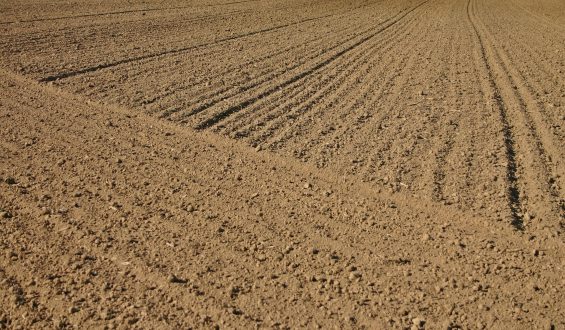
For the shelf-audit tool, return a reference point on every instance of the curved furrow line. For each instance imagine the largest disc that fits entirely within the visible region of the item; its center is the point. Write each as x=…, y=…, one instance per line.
x=68, y=74
x=202, y=98
x=201, y=102
x=310, y=93
x=177, y=50
x=167, y=102
x=179, y=104
x=84, y=51
x=183, y=86
x=527, y=89
x=473, y=179
x=546, y=104
x=280, y=74
x=490, y=192
x=334, y=133
x=513, y=192
x=457, y=132
x=121, y=12
x=266, y=118
x=544, y=143
x=343, y=135
x=270, y=101
x=367, y=108
x=103, y=29
x=308, y=50
x=484, y=177
x=222, y=114
x=535, y=64
x=161, y=69
x=295, y=115
x=535, y=194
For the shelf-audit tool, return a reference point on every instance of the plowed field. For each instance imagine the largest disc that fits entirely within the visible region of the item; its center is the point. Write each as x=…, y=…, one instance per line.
x=282, y=164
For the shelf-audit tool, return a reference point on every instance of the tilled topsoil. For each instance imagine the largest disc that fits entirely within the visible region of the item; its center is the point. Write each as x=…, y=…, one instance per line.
x=282, y=164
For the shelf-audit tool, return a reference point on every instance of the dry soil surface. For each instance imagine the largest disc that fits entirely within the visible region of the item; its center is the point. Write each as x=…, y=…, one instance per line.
x=282, y=164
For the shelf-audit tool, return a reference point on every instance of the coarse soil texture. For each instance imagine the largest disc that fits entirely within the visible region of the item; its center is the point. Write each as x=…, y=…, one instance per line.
x=282, y=164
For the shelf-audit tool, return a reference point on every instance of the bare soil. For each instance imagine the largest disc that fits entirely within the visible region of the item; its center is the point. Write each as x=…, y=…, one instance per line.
x=282, y=164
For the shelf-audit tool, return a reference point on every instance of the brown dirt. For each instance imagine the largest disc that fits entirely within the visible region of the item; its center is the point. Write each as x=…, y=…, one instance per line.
x=282, y=164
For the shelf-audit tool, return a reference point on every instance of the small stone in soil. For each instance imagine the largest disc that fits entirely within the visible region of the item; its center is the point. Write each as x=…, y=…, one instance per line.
x=354, y=275
x=175, y=279
x=418, y=322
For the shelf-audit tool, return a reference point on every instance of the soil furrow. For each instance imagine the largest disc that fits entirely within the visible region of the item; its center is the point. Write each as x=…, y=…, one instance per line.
x=121, y=12
x=313, y=49
x=260, y=84
x=538, y=176
x=296, y=112
x=69, y=74
x=513, y=193
x=226, y=113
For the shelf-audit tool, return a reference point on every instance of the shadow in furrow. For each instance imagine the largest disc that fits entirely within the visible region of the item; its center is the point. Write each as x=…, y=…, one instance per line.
x=172, y=51
x=236, y=108
x=120, y=12
x=513, y=193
